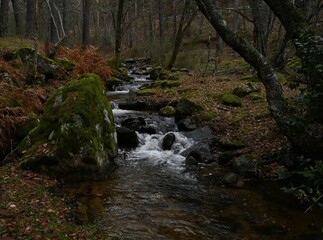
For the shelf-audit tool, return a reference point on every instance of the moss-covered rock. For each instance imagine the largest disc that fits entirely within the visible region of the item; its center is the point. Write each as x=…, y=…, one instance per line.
x=23, y=128
x=113, y=82
x=186, y=108
x=65, y=63
x=166, y=84
x=46, y=66
x=155, y=73
x=167, y=111
x=76, y=133
x=231, y=144
x=245, y=89
x=146, y=92
x=230, y=100
x=120, y=73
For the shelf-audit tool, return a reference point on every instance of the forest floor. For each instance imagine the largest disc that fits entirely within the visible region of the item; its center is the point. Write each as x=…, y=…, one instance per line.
x=30, y=210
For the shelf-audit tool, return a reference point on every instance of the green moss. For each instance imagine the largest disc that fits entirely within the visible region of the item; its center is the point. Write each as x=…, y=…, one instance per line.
x=113, y=82
x=120, y=73
x=23, y=128
x=166, y=84
x=65, y=63
x=251, y=78
x=146, y=92
x=207, y=116
x=167, y=111
x=223, y=79
x=186, y=107
x=77, y=124
x=230, y=100
x=255, y=96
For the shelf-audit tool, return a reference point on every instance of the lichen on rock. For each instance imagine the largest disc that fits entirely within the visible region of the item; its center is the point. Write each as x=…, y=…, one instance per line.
x=76, y=133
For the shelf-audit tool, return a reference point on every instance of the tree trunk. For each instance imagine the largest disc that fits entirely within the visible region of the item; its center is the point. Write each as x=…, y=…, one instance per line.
x=308, y=49
x=119, y=31
x=261, y=20
x=4, y=18
x=86, y=24
x=30, y=19
x=182, y=28
x=303, y=135
x=17, y=13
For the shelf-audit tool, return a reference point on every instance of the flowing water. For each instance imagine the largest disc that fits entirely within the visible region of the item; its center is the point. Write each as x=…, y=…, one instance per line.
x=151, y=196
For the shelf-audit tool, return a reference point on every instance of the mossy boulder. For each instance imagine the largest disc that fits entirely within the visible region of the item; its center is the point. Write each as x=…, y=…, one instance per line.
x=76, y=132
x=230, y=100
x=46, y=66
x=186, y=108
x=167, y=111
x=113, y=82
x=245, y=89
x=155, y=73
x=120, y=73
x=65, y=63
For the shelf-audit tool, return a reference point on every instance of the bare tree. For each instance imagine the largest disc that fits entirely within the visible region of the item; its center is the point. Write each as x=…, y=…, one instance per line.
x=17, y=14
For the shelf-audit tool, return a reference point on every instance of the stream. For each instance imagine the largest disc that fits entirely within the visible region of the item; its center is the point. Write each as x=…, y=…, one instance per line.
x=150, y=195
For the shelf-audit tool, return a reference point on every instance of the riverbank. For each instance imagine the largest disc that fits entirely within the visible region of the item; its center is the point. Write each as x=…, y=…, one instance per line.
x=31, y=209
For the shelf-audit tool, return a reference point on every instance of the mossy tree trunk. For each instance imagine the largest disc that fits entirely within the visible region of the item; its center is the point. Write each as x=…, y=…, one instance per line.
x=309, y=48
x=303, y=132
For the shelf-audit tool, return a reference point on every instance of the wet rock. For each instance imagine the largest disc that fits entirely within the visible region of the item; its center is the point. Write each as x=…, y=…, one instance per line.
x=200, y=152
x=112, y=83
x=133, y=123
x=134, y=105
x=225, y=157
x=150, y=129
x=244, y=164
x=201, y=134
x=127, y=138
x=232, y=180
x=168, y=141
x=186, y=124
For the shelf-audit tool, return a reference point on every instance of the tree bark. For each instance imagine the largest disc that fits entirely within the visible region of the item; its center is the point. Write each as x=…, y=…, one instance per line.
x=4, y=18
x=119, y=31
x=30, y=19
x=308, y=49
x=86, y=24
x=184, y=24
x=17, y=14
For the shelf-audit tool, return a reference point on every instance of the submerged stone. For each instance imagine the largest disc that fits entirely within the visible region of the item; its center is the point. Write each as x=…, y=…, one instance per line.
x=76, y=132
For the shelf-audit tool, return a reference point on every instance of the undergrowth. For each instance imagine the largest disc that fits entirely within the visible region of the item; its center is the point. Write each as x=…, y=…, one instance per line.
x=87, y=61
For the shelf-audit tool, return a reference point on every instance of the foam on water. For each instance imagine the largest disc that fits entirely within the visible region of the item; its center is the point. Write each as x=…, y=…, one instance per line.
x=150, y=150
